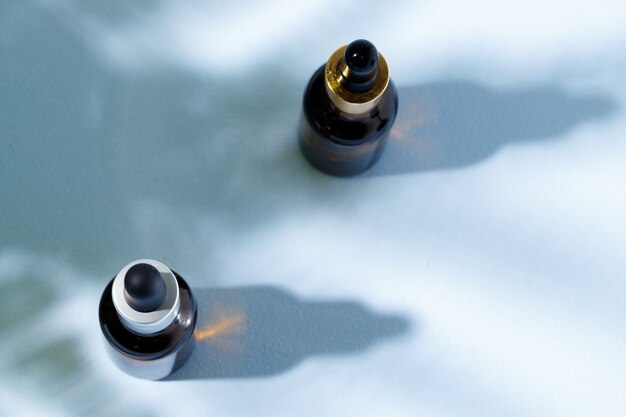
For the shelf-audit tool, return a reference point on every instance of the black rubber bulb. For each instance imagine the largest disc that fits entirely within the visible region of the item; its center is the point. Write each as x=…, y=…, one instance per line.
x=144, y=288
x=361, y=58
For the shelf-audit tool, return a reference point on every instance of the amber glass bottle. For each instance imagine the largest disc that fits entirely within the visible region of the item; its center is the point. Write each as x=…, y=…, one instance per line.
x=349, y=107
x=148, y=316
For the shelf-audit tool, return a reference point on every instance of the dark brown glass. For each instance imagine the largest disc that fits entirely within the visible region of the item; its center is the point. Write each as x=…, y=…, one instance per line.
x=157, y=354
x=336, y=142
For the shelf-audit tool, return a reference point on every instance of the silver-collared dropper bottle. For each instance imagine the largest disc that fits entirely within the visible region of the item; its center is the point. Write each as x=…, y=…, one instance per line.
x=148, y=316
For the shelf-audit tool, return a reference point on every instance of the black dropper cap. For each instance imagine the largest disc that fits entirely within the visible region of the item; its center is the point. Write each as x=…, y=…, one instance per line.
x=144, y=288
x=361, y=58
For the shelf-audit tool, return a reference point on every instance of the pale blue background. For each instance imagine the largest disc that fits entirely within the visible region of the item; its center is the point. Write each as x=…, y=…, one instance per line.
x=478, y=270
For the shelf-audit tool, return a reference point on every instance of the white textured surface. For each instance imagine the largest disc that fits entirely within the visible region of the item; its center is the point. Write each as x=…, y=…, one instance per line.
x=478, y=270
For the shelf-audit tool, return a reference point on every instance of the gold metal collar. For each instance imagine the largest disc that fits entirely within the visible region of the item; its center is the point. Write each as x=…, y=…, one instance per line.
x=347, y=101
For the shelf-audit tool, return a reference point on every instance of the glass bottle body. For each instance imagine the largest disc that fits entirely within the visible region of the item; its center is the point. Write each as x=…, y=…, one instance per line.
x=339, y=143
x=153, y=356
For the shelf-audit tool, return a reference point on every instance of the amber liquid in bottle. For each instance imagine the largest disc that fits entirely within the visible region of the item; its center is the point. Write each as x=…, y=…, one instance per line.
x=342, y=143
x=154, y=355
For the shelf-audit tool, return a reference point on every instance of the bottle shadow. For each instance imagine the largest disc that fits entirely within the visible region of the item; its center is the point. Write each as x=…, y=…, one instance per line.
x=259, y=331
x=452, y=124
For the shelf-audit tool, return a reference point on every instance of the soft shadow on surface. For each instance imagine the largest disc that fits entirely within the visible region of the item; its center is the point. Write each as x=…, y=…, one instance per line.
x=101, y=165
x=260, y=331
x=451, y=124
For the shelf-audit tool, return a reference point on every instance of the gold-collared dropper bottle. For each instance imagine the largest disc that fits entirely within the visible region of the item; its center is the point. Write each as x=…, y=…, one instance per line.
x=349, y=107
